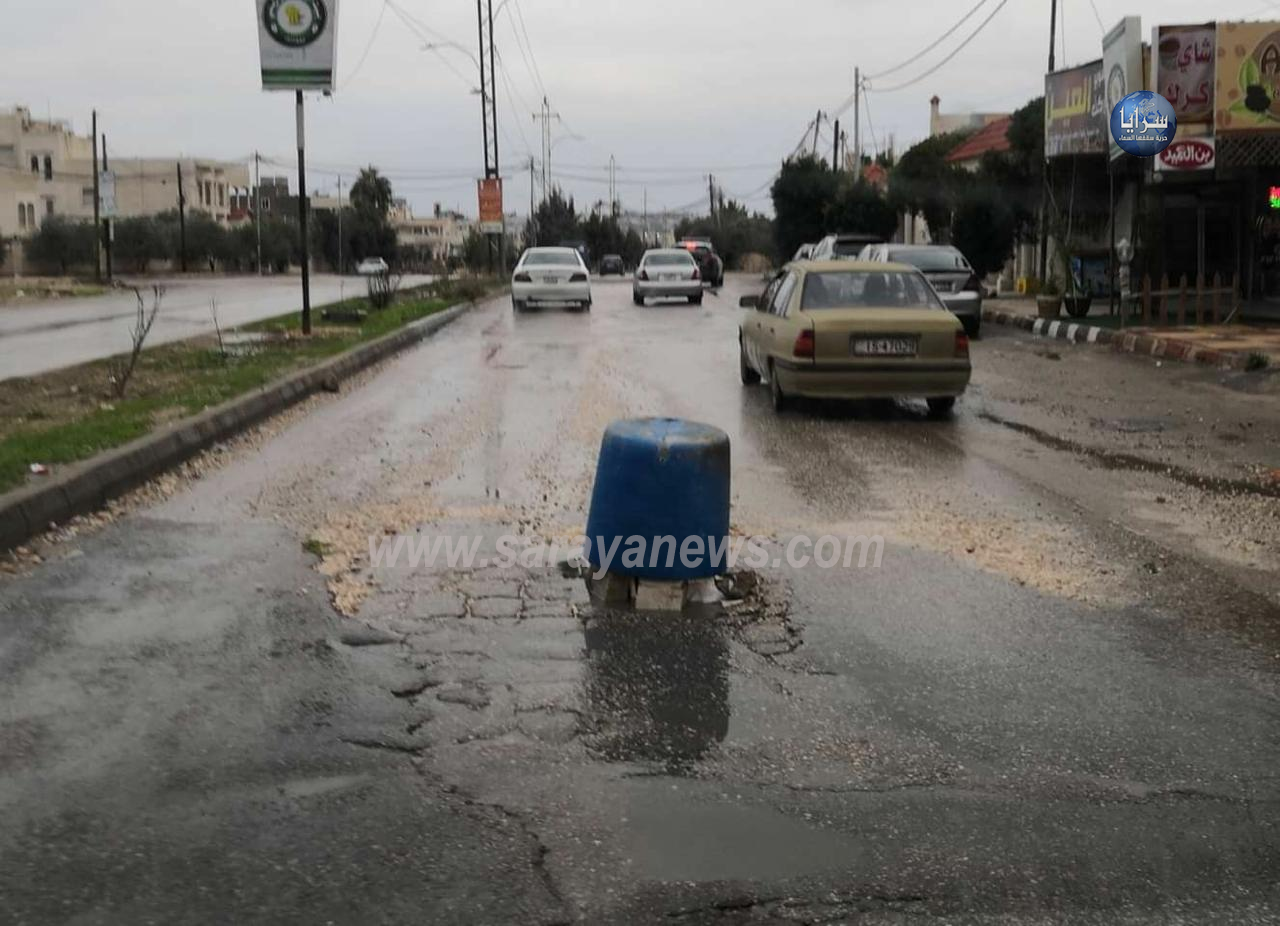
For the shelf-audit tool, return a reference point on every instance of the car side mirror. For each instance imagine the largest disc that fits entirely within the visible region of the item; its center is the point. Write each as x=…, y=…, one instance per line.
x=749, y=302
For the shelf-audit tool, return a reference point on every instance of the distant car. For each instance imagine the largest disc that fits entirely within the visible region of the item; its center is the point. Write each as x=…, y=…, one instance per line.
x=709, y=262
x=551, y=276
x=949, y=273
x=372, y=267
x=612, y=264
x=843, y=246
x=667, y=273
x=853, y=330
x=804, y=252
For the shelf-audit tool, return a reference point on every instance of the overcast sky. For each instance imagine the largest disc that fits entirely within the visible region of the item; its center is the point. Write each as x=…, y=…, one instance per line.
x=672, y=90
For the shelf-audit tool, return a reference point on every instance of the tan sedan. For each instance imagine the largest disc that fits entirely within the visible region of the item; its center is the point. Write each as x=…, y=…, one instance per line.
x=853, y=330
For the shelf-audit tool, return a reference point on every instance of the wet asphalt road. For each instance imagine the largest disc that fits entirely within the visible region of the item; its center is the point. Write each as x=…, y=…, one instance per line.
x=1055, y=702
x=56, y=333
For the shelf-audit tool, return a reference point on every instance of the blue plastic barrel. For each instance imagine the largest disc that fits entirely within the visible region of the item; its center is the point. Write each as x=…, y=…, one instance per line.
x=660, y=478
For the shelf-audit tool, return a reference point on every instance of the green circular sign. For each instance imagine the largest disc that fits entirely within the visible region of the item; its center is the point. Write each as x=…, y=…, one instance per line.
x=295, y=23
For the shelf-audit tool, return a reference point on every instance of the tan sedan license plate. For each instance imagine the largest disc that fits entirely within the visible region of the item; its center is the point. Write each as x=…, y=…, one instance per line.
x=884, y=347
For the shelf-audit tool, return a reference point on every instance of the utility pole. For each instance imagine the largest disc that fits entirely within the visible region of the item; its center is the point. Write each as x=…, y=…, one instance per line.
x=817, y=124
x=1044, y=191
x=533, y=212
x=257, y=204
x=546, y=117
x=302, y=218
x=97, y=207
x=857, y=121
x=489, y=113
x=339, y=224
x=613, y=183
x=835, y=153
x=711, y=192
x=182, y=223
x=106, y=223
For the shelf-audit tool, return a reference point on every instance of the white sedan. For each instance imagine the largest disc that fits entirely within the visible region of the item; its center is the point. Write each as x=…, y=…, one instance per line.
x=372, y=267
x=551, y=276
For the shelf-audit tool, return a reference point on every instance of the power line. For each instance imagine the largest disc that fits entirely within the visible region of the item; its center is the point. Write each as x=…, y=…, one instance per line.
x=942, y=38
x=520, y=46
x=959, y=48
x=424, y=33
x=368, y=48
x=537, y=72
x=1101, y=27
x=875, y=143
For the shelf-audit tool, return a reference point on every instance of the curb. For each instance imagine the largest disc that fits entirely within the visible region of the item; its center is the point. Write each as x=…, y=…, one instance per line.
x=1145, y=344
x=88, y=486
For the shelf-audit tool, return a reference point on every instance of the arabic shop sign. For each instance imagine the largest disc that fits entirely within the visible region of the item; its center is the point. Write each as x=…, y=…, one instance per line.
x=1248, y=78
x=1184, y=70
x=1075, y=112
x=1122, y=65
x=1184, y=154
x=1143, y=124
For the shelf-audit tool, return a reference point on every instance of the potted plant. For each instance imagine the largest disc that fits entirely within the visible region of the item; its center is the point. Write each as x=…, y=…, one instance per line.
x=1049, y=299
x=1078, y=301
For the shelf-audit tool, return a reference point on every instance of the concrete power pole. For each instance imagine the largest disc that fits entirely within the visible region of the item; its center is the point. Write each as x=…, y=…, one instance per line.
x=546, y=117
x=339, y=224
x=835, y=148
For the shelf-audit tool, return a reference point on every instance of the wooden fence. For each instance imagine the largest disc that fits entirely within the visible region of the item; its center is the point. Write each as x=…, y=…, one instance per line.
x=1190, y=305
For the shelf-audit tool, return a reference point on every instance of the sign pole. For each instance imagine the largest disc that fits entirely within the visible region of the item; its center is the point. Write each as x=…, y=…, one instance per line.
x=302, y=219
x=97, y=207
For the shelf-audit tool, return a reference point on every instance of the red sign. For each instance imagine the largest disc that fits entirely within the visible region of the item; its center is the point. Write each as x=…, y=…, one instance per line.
x=491, y=205
x=1187, y=154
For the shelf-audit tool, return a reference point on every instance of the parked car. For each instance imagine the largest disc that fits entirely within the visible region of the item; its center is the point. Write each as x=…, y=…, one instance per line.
x=709, y=262
x=949, y=273
x=372, y=267
x=846, y=245
x=853, y=330
x=551, y=276
x=612, y=264
x=667, y=273
x=804, y=252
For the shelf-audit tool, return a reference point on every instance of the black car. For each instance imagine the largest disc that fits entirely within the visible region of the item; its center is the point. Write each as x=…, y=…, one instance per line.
x=709, y=262
x=612, y=264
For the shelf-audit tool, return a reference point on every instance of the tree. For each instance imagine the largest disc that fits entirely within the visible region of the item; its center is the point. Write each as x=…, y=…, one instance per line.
x=632, y=248
x=62, y=243
x=860, y=207
x=734, y=232
x=984, y=229
x=804, y=187
x=139, y=241
x=923, y=182
x=555, y=221
x=371, y=195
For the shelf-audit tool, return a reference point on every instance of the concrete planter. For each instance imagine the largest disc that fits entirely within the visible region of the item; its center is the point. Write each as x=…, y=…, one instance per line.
x=1048, y=306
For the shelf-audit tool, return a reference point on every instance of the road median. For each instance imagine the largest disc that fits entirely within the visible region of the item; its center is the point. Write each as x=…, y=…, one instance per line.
x=88, y=484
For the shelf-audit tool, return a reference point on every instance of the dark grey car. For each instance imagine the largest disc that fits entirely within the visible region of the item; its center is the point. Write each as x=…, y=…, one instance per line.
x=949, y=272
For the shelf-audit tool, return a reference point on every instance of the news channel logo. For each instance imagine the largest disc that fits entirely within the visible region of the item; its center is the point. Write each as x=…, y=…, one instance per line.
x=1143, y=124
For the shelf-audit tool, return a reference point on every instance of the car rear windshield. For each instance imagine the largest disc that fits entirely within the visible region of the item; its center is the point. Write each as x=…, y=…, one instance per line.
x=931, y=259
x=550, y=259
x=669, y=260
x=863, y=289
x=848, y=248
